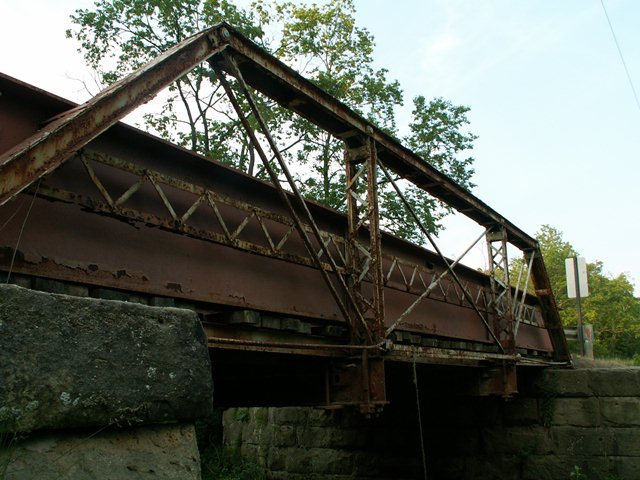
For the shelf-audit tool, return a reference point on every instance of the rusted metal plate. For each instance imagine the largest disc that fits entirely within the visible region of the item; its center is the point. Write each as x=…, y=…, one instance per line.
x=28, y=160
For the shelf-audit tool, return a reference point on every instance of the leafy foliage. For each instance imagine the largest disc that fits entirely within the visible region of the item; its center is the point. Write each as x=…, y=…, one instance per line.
x=611, y=306
x=322, y=42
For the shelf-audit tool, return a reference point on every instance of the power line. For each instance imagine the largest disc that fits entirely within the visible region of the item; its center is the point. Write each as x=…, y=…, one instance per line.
x=624, y=64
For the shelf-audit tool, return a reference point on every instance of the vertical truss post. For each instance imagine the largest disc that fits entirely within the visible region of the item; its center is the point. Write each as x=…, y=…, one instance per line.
x=364, y=260
x=501, y=380
x=501, y=288
x=365, y=254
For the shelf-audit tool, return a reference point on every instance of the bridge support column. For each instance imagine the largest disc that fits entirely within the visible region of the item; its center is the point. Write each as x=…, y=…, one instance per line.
x=501, y=298
x=359, y=382
x=362, y=380
x=500, y=380
x=364, y=252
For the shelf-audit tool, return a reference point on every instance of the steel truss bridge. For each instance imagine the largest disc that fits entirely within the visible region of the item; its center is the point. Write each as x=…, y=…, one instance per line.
x=328, y=301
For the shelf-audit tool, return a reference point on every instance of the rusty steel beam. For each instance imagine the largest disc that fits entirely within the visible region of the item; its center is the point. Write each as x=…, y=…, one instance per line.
x=547, y=302
x=61, y=137
x=281, y=83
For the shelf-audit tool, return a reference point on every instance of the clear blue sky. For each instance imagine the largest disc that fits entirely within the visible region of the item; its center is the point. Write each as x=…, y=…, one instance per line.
x=558, y=126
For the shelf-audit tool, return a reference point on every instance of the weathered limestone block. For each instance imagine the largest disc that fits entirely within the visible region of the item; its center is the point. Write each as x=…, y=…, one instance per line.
x=580, y=441
x=621, y=411
x=627, y=442
x=153, y=452
x=561, y=467
x=515, y=441
x=68, y=362
x=564, y=383
x=626, y=467
x=578, y=412
x=291, y=415
x=615, y=382
x=285, y=436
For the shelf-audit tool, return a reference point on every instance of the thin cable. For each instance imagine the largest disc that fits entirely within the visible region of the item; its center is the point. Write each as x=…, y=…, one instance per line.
x=415, y=382
x=12, y=215
x=24, y=222
x=624, y=64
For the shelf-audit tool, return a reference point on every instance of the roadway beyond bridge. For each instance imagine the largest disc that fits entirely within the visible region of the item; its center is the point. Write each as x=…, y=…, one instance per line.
x=307, y=304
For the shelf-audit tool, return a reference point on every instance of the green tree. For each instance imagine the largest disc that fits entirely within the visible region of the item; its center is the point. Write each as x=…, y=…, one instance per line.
x=437, y=135
x=117, y=36
x=611, y=306
x=323, y=43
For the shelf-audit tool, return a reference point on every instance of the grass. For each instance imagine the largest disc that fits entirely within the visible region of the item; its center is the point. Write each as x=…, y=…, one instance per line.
x=7, y=447
x=223, y=463
x=218, y=462
x=611, y=362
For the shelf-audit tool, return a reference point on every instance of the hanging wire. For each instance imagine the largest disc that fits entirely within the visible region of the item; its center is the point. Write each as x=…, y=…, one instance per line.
x=24, y=222
x=13, y=215
x=422, y=449
x=624, y=64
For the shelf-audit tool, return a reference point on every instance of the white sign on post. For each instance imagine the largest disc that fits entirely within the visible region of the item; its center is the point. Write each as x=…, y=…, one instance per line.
x=571, y=277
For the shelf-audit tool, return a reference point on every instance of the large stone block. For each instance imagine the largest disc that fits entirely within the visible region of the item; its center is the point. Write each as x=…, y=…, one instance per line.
x=68, y=362
x=564, y=383
x=155, y=452
x=579, y=441
x=627, y=442
x=291, y=415
x=517, y=441
x=578, y=412
x=565, y=467
x=620, y=411
x=615, y=382
x=285, y=436
x=626, y=467
x=320, y=461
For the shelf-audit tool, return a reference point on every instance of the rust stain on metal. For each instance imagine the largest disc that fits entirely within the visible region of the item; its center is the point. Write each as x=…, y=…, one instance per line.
x=174, y=287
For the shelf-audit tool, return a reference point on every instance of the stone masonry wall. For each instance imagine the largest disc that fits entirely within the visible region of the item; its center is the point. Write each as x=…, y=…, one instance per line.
x=93, y=388
x=563, y=424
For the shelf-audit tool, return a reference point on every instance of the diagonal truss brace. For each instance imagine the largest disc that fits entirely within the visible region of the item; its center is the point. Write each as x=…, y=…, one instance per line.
x=450, y=267
x=63, y=136
x=353, y=309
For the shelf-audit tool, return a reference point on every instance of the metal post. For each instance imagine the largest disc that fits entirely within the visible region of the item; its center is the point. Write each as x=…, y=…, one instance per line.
x=375, y=241
x=365, y=258
x=500, y=287
x=580, y=331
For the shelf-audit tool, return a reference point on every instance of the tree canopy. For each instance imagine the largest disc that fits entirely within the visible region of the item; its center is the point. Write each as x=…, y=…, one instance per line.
x=611, y=305
x=323, y=43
